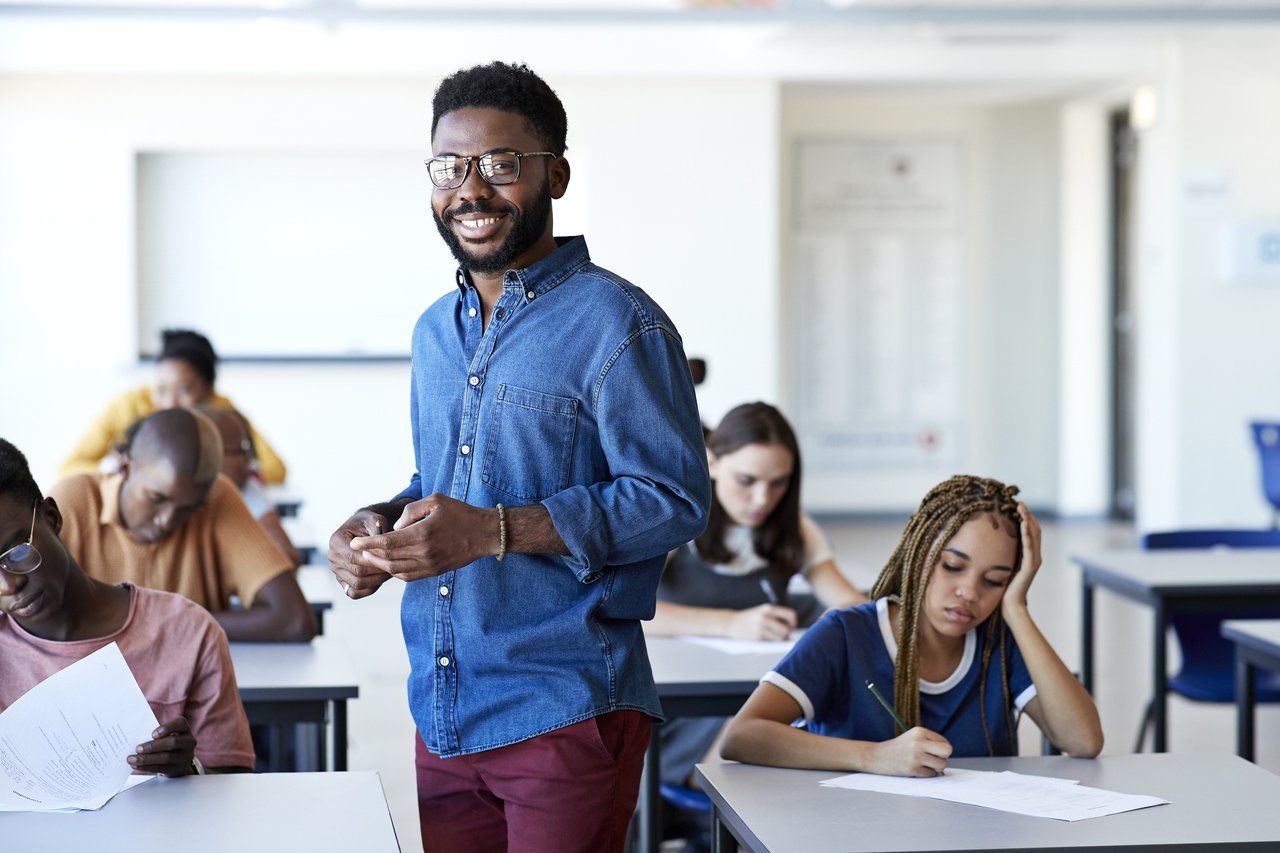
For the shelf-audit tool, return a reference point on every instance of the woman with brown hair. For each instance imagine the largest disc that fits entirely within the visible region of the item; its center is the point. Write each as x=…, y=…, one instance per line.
x=734, y=580
x=948, y=640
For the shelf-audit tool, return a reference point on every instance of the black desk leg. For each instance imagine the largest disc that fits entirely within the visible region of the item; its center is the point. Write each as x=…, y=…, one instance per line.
x=1245, y=700
x=651, y=795
x=1086, y=632
x=339, y=736
x=321, y=747
x=275, y=762
x=1160, y=679
x=722, y=840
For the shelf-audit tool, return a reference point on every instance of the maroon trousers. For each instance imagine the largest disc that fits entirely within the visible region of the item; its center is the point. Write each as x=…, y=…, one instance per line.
x=572, y=789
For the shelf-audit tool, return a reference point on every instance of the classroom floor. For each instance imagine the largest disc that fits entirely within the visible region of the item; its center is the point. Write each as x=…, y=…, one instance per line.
x=381, y=732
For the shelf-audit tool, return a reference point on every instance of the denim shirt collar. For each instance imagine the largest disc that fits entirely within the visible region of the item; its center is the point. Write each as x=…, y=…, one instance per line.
x=541, y=276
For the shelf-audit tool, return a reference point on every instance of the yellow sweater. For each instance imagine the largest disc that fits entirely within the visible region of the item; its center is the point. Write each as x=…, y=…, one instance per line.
x=108, y=430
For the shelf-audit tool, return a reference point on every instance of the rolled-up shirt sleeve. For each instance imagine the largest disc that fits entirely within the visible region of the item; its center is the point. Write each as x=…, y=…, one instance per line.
x=660, y=492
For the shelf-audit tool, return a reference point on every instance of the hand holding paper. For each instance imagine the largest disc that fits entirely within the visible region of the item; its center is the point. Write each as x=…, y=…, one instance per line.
x=171, y=751
x=65, y=743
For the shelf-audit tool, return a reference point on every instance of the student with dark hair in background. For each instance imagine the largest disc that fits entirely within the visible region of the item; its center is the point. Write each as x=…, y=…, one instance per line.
x=52, y=614
x=185, y=372
x=169, y=520
x=734, y=580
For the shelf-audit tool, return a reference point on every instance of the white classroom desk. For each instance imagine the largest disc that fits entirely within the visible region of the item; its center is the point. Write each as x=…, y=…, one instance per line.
x=320, y=588
x=243, y=813
x=1173, y=582
x=1257, y=643
x=1217, y=802
x=693, y=681
x=282, y=684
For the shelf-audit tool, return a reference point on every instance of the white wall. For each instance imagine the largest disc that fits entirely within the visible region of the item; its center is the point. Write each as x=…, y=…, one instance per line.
x=706, y=249
x=1009, y=247
x=1209, y=362
x=1084, y=366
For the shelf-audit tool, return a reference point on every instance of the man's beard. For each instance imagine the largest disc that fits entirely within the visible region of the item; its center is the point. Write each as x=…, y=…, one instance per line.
x=526, y=229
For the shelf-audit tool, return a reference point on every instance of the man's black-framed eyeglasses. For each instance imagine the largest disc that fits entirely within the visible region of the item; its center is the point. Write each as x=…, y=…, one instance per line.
x=23, y=559
x=449, y=171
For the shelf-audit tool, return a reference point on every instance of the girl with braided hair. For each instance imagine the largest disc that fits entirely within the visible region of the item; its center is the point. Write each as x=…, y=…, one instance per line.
x=948, y=640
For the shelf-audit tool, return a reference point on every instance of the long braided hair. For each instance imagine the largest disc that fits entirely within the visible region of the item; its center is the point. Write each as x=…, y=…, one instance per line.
x=944, y=510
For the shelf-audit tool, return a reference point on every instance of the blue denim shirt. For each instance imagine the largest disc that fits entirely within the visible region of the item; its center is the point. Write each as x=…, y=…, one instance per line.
x=578, y=397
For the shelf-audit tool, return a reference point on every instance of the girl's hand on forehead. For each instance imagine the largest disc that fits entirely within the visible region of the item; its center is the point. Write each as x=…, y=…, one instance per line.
x=1016, y=594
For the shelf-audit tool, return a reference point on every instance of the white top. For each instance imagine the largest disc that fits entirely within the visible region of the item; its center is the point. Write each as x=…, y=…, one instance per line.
x=737, y=538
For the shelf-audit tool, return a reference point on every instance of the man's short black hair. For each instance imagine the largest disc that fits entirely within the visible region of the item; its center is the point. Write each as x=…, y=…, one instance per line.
x=15, y=475
x=512, y=88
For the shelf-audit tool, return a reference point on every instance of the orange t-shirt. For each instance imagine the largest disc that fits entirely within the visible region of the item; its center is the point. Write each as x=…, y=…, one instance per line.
x=219, y=551
x=176, y=651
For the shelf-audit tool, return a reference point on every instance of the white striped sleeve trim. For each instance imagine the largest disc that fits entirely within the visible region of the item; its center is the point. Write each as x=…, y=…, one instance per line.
x=1023, y=698
x=786, y=685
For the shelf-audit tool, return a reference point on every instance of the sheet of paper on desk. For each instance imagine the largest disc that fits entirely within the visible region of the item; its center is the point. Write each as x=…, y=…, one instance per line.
x=1038, y=796
x=63, y=744
x=730, y=646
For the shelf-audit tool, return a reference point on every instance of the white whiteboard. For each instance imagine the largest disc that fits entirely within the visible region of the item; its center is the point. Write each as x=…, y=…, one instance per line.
x=876, y=243
x=286, y=255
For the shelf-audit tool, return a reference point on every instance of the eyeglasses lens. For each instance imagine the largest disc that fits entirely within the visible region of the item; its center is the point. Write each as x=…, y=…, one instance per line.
x=20, y=560
x=500, y=168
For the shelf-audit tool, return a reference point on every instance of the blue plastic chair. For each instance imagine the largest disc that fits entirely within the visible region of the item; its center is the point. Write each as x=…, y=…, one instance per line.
x=1267, y=437
x=689, y=799
x=1208, y=659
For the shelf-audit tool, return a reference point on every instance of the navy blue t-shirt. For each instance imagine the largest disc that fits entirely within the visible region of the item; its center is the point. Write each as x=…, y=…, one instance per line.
x=826, y=673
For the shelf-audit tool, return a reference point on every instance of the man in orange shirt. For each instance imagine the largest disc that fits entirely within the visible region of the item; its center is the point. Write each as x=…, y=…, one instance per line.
x=168, y=520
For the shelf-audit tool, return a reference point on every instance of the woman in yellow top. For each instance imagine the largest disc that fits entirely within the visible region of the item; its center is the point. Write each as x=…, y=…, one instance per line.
x=185, y=372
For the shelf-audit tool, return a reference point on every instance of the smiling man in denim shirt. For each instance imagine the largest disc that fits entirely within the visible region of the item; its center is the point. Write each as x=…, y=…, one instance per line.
x=559, y=457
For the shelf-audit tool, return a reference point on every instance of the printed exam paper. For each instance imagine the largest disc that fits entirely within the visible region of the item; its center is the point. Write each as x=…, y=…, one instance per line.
x=64, y=743
x=1037, y=796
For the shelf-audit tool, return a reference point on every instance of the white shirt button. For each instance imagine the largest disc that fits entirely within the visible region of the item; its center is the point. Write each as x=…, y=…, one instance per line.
x=466, y=448
x=474, y=380
x=529, y=294
x=444, y=590
x=471, y=312
x=444, y=661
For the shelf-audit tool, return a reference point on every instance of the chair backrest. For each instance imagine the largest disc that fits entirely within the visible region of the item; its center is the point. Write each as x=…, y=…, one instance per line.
x=1211, y=539
x=1199, y=635
x=1266, y=435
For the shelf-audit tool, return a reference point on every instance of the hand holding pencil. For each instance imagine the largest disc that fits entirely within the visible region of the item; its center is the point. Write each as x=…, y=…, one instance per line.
x=915, y=752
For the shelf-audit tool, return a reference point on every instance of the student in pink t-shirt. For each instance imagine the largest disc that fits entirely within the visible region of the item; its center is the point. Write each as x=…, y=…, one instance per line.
x=53, y=614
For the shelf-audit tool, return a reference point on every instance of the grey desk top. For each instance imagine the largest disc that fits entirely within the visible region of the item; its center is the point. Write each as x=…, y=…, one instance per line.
x=682, y=668
x=1261, y=634
x=313, y=812
x=318, y=584
x=1215, y=800
x=1188, y=571
x=318, y=670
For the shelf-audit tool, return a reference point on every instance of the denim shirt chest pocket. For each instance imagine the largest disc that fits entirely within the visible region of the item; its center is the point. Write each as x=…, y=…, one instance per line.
x=530, y=445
